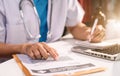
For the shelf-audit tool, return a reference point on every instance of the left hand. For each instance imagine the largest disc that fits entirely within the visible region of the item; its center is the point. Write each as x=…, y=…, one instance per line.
x=38, y=50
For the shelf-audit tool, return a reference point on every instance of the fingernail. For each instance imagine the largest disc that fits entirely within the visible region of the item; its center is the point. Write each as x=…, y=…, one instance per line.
x=89, y=39
x=56, y=58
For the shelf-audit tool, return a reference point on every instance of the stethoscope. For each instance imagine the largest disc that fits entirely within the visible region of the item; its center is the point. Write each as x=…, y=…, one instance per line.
x=49, y=34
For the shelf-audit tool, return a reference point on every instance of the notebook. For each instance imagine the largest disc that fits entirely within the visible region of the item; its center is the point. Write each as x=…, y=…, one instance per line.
x=108, y=49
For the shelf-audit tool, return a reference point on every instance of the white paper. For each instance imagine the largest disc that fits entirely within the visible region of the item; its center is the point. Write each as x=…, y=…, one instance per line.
x=67, y=62
x=49, y=67
x=103, y=44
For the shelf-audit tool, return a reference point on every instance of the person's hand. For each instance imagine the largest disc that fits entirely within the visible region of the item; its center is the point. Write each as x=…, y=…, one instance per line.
x=84, y=33
x=80, y=31
x=39, y=51
x=98, y=34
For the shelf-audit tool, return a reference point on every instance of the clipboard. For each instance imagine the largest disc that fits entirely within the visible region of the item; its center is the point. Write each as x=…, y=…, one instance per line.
x=77, y=73
x=22, y=67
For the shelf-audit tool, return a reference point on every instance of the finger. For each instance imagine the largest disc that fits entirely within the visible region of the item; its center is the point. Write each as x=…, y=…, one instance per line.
x=99, y=29
x=43, y=51
x=100, y=35
x=96, y=32
x=51, y=51
x=36, y=52
x=30, y=53
x=98, y=38
x=55, y=52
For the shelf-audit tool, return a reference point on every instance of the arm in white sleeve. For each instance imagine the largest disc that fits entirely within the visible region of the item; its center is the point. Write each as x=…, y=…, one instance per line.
x=75, y=13
x=2, y=22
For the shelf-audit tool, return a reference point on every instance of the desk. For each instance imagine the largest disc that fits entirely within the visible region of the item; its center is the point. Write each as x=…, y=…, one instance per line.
x=10, y=67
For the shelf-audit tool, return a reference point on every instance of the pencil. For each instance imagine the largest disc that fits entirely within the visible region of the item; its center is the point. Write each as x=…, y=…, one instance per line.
x=93, y=28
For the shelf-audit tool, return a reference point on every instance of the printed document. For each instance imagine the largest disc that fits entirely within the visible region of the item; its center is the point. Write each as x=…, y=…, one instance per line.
x=49, y=67
x=67, y=63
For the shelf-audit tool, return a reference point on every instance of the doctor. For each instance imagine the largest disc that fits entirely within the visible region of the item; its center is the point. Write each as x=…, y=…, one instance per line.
x=25, y=26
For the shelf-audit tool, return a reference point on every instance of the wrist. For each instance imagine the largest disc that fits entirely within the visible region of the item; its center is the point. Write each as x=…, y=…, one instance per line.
x=17, y=48
x=23, y=48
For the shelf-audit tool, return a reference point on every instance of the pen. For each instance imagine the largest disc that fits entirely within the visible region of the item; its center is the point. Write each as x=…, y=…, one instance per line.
x=93, y=28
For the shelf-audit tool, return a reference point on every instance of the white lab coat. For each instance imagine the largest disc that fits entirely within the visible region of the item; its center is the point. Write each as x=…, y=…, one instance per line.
x=12, y=29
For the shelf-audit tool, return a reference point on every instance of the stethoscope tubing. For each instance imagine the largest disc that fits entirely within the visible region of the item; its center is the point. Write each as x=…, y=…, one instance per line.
x=49, y=35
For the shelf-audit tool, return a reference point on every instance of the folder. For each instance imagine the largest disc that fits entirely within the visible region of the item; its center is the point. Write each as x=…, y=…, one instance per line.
x=22, y=67
x=77, y=73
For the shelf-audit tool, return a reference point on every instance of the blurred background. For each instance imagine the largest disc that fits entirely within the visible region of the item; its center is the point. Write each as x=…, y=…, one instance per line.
x=111, y=10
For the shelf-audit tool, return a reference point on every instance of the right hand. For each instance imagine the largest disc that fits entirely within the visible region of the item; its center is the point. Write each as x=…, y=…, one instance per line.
x=39, y=51
x=99, y=34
